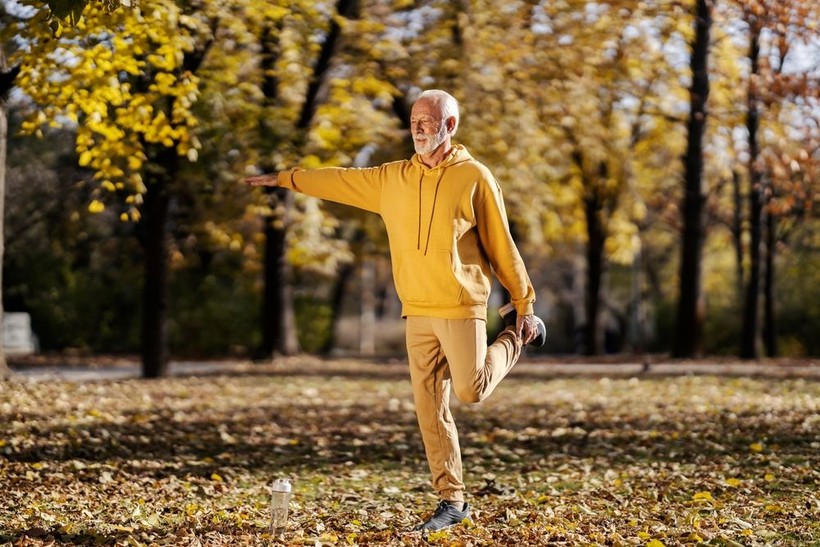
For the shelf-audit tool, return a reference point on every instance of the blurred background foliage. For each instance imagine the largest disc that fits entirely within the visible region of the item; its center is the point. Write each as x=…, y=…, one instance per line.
x=569, y=102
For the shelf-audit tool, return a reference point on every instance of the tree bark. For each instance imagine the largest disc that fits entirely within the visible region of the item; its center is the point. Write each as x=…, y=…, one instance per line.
x=348, y=9
x=343, y=276
x=690, y=308
x=3, y=144
x=367, y=314
x=153, y=238
x=278, y=315
x=6, y=84
x=769, y=311
x=160, y=172
x=278, y=323
x=749, y=341
x=737, y=234
x=595, y=268
x=593, y=284
x=596, y=236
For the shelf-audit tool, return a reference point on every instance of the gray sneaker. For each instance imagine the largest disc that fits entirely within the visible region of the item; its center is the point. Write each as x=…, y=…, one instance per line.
x=509, y=315
x=445, y=516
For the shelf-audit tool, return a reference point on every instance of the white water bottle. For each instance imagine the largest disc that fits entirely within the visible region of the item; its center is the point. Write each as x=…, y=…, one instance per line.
x=279, y=499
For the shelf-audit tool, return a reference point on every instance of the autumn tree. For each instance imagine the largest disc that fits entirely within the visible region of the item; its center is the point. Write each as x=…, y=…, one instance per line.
x=612, y=105
x=57, y=11
x=286, y=126
x=690, y=301
x=278, y=329
x=564, y=116
x=127, y=79
x=776, y=181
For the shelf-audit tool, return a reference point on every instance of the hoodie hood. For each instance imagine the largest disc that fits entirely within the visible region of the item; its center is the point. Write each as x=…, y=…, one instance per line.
x=458, y=154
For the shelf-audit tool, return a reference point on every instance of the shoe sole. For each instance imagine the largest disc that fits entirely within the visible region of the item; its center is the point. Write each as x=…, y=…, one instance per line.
x=541, y=338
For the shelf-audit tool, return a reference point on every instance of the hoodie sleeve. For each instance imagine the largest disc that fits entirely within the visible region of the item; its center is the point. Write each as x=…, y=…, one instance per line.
x=494, y=233
x=358, y=187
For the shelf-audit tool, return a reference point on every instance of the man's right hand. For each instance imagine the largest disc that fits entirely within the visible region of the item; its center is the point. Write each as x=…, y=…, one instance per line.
x=268, y=179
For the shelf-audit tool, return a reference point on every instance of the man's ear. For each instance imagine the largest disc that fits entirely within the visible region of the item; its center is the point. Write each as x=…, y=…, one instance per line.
x=451, y=124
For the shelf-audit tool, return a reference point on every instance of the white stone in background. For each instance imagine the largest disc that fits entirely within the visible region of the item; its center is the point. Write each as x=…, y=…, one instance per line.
x=18, y=338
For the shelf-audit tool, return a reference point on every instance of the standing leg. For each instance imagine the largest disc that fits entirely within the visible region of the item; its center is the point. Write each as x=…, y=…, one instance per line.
x=430, y=376
x=475, y=368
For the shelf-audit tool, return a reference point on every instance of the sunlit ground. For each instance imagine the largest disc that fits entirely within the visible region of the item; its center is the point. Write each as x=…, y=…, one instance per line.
x=583, y=460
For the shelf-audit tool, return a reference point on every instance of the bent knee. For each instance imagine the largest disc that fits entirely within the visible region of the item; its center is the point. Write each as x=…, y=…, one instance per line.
x=470, y=394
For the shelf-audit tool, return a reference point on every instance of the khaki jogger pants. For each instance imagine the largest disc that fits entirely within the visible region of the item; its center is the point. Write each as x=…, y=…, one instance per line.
x=445, y=354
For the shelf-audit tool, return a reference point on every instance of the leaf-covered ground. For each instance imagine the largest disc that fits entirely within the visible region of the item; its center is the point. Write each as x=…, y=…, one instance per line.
x=583, y=460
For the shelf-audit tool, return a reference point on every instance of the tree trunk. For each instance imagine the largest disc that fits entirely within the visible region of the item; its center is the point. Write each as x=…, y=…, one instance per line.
x=638, y=314
x=690, y=309
x=750, y=335
x=769, y=312
x=4, y=370
x=278, y=317
x=367, y=315
x=596, y=236
x=348, y=9
x=6, y=83
x=153, y=239
x=279, y=336
x=343, y=276
x=3, y=144
x=595, y=262
x=160, y=173
x=737, y=234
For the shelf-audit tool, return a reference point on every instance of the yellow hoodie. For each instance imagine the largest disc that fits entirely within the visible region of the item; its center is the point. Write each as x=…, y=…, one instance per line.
x=447, y=227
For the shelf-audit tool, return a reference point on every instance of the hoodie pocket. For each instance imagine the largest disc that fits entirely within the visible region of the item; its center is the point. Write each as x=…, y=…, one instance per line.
x=427, y=279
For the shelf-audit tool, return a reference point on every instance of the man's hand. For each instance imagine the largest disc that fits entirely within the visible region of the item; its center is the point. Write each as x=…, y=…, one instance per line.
x=268, y=179
x=525, y=328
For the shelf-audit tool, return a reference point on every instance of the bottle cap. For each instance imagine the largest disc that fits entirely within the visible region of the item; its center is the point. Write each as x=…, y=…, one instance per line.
x=281, y=485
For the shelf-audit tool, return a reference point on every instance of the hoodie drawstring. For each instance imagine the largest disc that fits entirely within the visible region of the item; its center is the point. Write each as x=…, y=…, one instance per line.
x=432, y=211
x=453, y=154
x=418, y=237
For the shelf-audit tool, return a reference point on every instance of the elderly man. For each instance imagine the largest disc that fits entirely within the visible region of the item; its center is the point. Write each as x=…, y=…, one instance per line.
x=448, y=232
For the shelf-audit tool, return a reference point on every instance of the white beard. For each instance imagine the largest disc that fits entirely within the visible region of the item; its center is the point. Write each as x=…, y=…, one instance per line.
x=429, y=142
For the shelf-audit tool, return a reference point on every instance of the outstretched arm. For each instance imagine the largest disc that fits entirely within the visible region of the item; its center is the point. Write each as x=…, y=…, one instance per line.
x=359, y=187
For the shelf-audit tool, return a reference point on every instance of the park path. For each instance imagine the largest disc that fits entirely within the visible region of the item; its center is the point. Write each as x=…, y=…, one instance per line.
x=91, y=369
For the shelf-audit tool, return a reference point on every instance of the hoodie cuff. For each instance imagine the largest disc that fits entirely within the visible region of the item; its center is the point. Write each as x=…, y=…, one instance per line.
x=524, y=308
x=285, y=178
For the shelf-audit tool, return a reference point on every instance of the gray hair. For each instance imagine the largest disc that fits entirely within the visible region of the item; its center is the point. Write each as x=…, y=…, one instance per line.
x=445, y=101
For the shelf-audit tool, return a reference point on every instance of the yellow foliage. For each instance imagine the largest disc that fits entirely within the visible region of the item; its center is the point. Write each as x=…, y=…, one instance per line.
x=703, y=496
x=96, y=206
x=89, y=81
